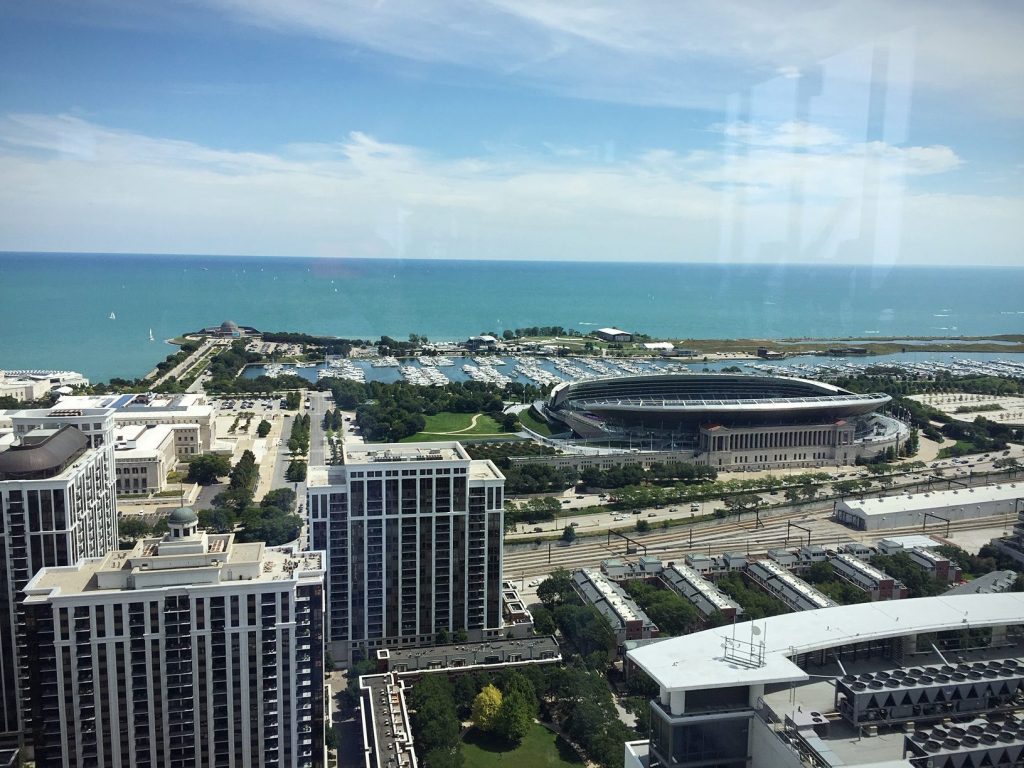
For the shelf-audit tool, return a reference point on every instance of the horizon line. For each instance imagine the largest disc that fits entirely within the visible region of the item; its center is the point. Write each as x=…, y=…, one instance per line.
x=512, y=261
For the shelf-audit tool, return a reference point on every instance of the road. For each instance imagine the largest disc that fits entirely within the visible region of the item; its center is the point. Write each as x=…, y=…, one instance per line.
x=185, y=365
x=573, y=506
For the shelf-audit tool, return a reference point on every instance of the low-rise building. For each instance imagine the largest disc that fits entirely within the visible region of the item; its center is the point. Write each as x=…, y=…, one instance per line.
x=934, y=507
x=988, y=583
x=193, y=418
x=384, y=715
x=143, y=455
x=938, y=566
x=704, y=595
x=613, y=334
x=625, y=618
x=36, y=384
x=877, y=583
x=796, y=593
x=646, y=567
x=514, y=611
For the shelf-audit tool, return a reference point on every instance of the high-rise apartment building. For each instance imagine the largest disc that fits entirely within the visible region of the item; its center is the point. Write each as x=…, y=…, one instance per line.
x=57, y=505
x=413, y=536
x=189, y=650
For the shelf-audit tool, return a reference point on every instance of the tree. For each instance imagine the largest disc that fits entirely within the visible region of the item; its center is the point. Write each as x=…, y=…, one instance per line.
x=844, y=487
x=485, y=708
x=509, y=422
x=206, y=468
x=132, y=528
x=263, y=429
x=543, y=621
x=216, y=520
x=642, y=526
x=516, y=682
x=569, y=534
x=280, y=498
x=556, y=589
x=444, y=758
x=296, y=471
x=513, y=720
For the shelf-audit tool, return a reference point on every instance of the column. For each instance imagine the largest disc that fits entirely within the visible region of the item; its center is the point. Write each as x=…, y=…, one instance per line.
x=677, y=702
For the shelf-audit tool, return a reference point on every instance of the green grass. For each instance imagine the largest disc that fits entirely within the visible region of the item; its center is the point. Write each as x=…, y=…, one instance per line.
x=959, y=449
x=452, y=426
x=532, y=422
x=539, y=749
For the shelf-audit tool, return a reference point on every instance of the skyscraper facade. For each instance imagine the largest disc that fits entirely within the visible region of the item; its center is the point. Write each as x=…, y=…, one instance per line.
x=189, y=650
x=413, y=536
x=57, y=505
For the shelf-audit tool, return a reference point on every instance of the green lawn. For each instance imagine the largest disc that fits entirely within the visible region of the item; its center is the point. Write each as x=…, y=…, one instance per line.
x=532, y=422
x=452, y=426
x=540, y=749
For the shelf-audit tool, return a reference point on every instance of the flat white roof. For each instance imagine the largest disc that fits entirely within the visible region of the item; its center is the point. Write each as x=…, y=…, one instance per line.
x=697, y=661
x=356, y=454
x=613, y=331
x=957, y=497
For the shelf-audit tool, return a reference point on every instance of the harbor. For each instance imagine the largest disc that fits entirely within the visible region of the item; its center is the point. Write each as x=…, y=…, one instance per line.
x=549, y=370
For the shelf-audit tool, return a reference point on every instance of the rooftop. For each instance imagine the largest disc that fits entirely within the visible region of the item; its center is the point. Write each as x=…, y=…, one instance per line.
x=42, y=453
x=138, y=441
x=681, y=572
x=807, y=594
x=458, y=655
x=923, y=501
x=391, y=744
x=377, y=456
x=996, y=581
x=189, y=402
x=609, y=598
x=699, y=660
x=863, y=567
x=203, y=559
x=806, y=705
x=382, y=453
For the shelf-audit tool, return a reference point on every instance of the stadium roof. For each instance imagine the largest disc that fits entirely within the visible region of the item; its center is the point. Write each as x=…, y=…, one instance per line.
x=700, y=660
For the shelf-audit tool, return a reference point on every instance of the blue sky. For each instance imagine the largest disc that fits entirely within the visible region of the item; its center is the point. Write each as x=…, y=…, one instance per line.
x=864, y=132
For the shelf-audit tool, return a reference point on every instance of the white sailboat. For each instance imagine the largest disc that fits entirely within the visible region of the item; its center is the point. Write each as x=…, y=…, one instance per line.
x=113, y=316
x=151, y=335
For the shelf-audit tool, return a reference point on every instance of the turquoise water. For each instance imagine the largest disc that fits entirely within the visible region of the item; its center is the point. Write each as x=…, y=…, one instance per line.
x=54, y=309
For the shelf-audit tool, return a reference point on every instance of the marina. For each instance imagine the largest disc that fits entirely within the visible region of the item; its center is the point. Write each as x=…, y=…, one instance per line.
x=545, y=370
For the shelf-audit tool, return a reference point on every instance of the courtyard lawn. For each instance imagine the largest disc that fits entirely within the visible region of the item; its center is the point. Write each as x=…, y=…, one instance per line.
x=539, y=749
x=452, y=426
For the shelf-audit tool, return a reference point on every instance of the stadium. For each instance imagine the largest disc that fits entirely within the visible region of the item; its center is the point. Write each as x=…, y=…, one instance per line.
x=729, y=421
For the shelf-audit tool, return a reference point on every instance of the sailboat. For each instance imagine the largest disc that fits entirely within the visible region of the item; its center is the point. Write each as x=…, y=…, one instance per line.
x=113, y=316
x=151, y=335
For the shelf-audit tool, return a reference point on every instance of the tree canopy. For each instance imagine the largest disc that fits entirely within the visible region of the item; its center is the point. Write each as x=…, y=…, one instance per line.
x=207, y=468
x=486, y=705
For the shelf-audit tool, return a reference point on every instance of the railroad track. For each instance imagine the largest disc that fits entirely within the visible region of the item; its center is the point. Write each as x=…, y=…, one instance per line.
x=725, y=536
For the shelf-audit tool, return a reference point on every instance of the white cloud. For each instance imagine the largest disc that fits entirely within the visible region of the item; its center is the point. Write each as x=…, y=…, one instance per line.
x=795, y=190
x=686, y=54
